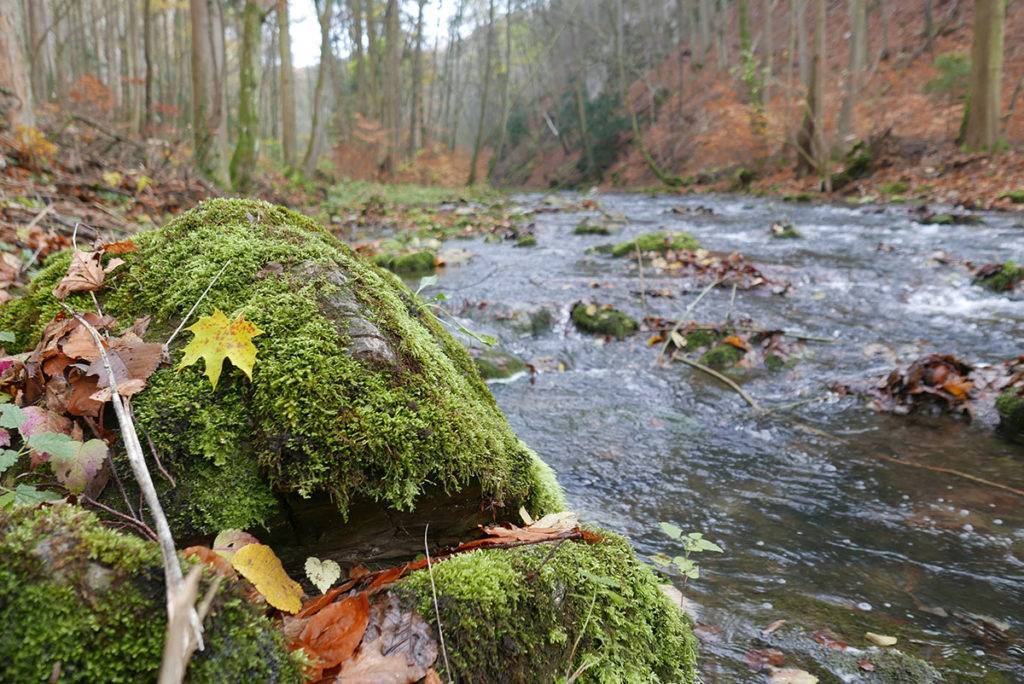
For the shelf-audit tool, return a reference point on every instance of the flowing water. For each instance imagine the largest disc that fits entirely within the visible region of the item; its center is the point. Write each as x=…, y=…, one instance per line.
x=816, y=529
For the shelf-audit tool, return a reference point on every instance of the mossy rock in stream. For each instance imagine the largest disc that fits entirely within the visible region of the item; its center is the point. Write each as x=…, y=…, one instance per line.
x=411, y=264
x=602, y=320
x=722, y=356
x=358, y=398
x=1010, y=405
x=656, y=242
x=587, y=228
x=87, y=603
x=1014, y=196
x=1000, y=277
x=494, y=364
x=537, y=614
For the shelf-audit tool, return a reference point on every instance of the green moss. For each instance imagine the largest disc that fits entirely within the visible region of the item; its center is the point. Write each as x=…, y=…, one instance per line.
x=798, y=197
x=656, y=242
x=597, y=320
x=538, y=613
x=357, y=390
x=1004, y=279
x=1010, y=405
x=541, y=321
x=894, y=188
x=785, y=231
x=494, y=364
x=526, y=241
x=722, y=356
x=586, y=228
x=947, y=219
x=856, y=164
x=1015, y=196
x=75, y=593
x=742, y=178
x=413, y=263
x=700, y=338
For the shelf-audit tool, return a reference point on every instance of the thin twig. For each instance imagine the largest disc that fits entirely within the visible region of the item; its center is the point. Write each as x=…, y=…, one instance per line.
x=950, y=471
x=172, y=568
x=718, y=376
x=120, y=486
x=134, y=522
x=167, y=344
x=679, y=323
x=579, y=637
x=437, y=610
x=159, y=465
x=32, y=224
x=640, y=266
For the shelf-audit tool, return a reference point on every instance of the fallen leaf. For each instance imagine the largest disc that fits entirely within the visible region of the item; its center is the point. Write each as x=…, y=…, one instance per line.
x=260, y=565
x=229, y=541
x=881, y=639
x=759, y=659
x=85, y=274
x=122, y=247
x=774, y=626
x=206, y=555
x=333, y=634
x=83, y=467
x=398, y=648
x=829, y=641
x=866, y=665
x=737, y=342
x=322, y=573
x=216, y=338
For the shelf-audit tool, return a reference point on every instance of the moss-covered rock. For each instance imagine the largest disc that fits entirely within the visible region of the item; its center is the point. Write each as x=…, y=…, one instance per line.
x=722, y=356
x=357, y=391
x=412, y=264
x=1015, y=196
x=656, y=242
x=602, y=320
x=534, y=614
x=494, y=364
x=88, y=603
x=1010, y=405
x=785, y=230
x=1000, y=277
x=526, y=241
x=587, y=228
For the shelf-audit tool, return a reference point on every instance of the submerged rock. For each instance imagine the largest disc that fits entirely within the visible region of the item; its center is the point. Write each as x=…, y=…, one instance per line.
x=602, y=320
x=784, y=229
x=1010, y=406
x=87, y=603
x=587, y=228
x=656, y=242
x=722, y=356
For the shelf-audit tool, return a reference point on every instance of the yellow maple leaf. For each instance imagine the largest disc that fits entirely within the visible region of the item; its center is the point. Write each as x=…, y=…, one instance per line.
x=260, y=565
x=216, y=338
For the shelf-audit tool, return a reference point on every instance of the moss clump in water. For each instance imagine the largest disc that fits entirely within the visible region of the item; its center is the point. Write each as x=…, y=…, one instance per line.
x=1000, y=278
x=598, y=320
x=656, y=242
x=357, y=390
x=534, y=614
x=77, y=596
x=587, y=228
x=722, y=356
x=1015, y=196
x=414, y=263
x=494, y=364
x=526, y=241
x=785, y=230
x=1010, y=406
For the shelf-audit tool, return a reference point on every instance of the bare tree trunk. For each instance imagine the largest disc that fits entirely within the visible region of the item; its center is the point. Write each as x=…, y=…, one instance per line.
x=317, y=125
x=929, y=26
x=37, y=40
x=373, y=51
x=355, y=29
x=284, y=43
x=147, y=49
x=982, y=127
x=392, y=106
x=243, y=161
x=15, y=85
x=769, y=48
x=809, y=144
x=416, y=112
x=801, y=37
x=486, y=76
x=858, y=56
x=204, y=118
x=506, y=94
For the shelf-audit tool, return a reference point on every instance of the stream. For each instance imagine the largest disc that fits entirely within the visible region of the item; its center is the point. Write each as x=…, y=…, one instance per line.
x=816, y=530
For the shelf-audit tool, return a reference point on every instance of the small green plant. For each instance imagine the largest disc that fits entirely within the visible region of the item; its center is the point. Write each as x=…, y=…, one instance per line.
x=693, y=542
x=444, y=316
x=954, y=76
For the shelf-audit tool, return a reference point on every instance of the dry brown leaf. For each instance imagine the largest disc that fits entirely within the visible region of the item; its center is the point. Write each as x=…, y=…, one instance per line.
x=85, y=274
x=406, y=639
x=208, y=556
x=333, y=634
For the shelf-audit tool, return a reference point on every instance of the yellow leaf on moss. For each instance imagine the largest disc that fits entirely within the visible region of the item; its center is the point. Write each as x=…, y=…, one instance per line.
x=216, y=338
x=260, y=565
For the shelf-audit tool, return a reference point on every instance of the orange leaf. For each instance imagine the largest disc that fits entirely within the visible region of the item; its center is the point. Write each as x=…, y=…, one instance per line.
x=958, y=387
x=315, y=605
x=333, y=634
x=736, y=342
x=122, y=247
x=210, y=557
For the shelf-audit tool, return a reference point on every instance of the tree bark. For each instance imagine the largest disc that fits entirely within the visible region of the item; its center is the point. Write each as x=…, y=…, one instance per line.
x=204, y=118
x=37, y=35
x=317, y=125
x=243, y=160
x=284, y=43
x=416, y=112
x=855, y=68
x=506, y=94
x=982, y=118
x=486, y=76
x=147, y=49
x=392, y=106
x=15, y=87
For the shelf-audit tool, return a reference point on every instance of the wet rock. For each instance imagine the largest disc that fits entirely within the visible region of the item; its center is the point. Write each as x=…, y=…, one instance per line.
x=587, y=228
x=495, y=364
x=656, y=242
x=526, y=241
x=999, y=277
x=785, y=230
x=412, y=264
x=722, y=356
x=1010, y=406
x=602, y=320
